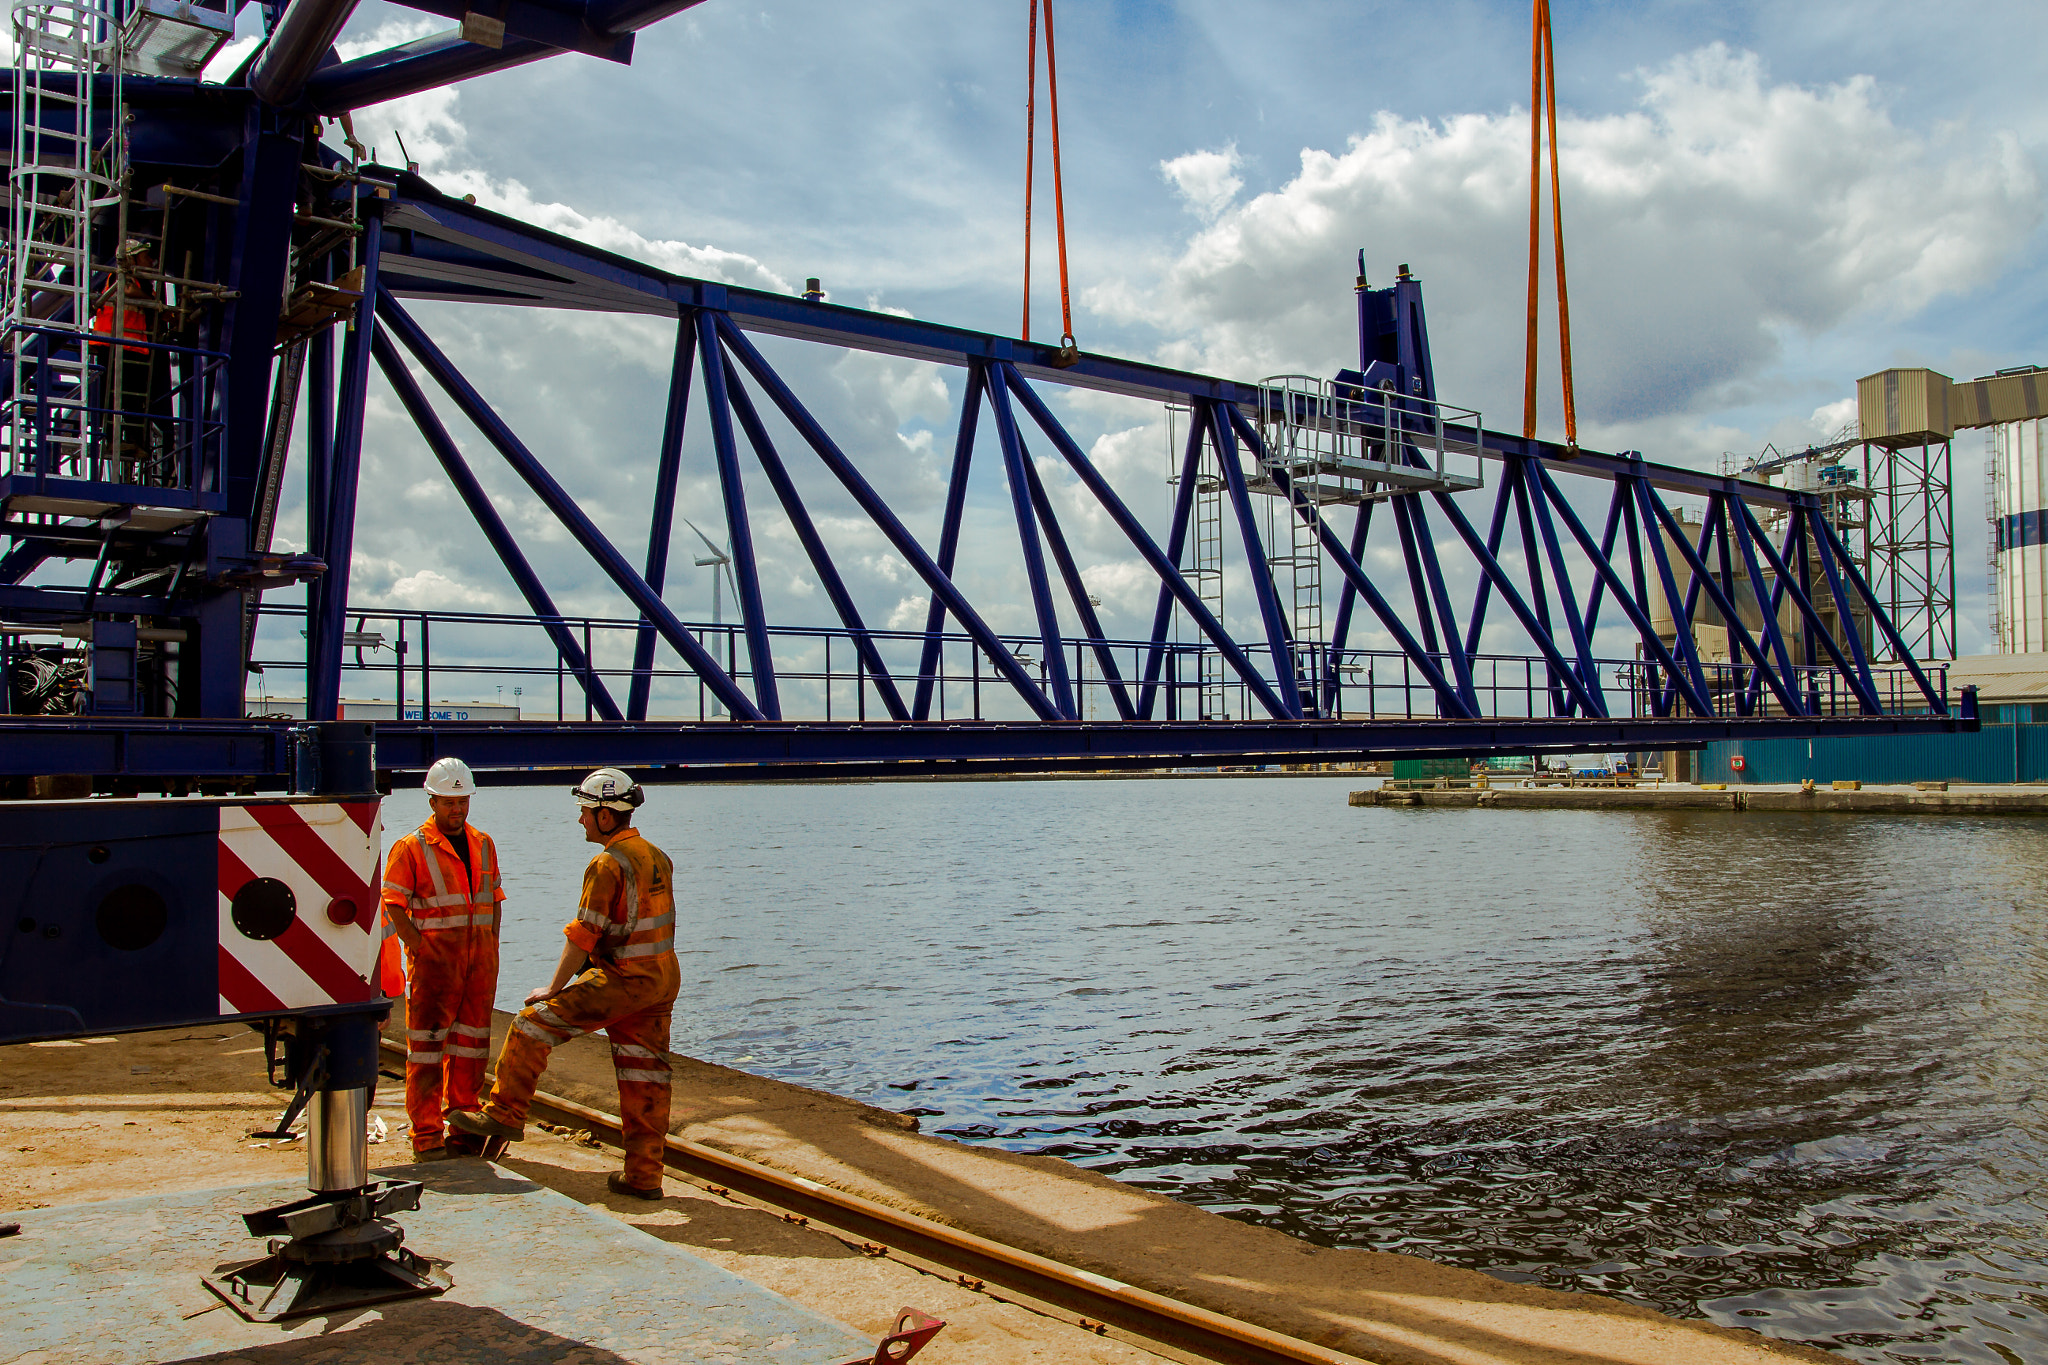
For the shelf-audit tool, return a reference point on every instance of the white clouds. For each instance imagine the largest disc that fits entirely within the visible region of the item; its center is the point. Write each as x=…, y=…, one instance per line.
x=1720, y=215
x=1208, y=181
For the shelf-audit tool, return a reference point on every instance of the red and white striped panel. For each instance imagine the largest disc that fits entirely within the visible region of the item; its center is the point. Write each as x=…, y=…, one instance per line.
x=329, y=854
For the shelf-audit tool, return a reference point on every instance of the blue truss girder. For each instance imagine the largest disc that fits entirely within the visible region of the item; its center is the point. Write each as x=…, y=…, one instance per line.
x=259, y=751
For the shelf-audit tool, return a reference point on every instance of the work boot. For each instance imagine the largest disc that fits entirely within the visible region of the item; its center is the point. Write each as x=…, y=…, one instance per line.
x=466, y=1144
x=617, y=1185
x=440, y=1153
x=483, y=1125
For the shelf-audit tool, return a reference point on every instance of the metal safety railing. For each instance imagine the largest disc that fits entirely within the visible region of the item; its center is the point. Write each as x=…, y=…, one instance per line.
x=1351, y=443
x=421, y=662
x=156, y=425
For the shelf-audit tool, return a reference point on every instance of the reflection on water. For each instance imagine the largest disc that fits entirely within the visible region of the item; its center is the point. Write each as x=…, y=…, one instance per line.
x=1776, y=1071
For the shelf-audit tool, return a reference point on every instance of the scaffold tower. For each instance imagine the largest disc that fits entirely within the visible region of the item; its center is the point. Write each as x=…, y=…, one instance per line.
x=56, y=180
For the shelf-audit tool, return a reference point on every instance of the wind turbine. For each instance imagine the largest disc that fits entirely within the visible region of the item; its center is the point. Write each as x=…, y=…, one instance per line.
x=715, y=561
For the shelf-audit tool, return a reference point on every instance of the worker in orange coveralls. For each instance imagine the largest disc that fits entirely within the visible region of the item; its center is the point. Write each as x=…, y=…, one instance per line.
x=444, y=900
x=618, y=973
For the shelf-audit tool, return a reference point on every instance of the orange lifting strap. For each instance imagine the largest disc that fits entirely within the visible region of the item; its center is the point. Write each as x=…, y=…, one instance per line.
x=1052, y=90
x=1542, y=109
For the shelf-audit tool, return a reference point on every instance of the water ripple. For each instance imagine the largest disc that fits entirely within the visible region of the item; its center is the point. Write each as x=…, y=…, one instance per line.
x=1778, y=1072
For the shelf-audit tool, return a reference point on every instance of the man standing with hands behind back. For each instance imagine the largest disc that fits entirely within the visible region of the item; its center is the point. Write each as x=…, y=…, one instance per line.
x=618, y=973
x=444, y=899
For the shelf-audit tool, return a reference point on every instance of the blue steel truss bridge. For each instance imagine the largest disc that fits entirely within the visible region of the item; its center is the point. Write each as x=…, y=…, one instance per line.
x=202, y=297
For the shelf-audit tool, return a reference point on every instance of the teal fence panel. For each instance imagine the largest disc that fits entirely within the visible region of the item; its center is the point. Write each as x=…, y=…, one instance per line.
x=1997, y=753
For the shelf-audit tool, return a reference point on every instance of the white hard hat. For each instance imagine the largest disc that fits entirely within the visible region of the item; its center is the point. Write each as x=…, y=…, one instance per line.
x=450, y=777
x=610, y=788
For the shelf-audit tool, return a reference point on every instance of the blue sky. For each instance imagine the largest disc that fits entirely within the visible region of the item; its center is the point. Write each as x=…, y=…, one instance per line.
x=1764, y=201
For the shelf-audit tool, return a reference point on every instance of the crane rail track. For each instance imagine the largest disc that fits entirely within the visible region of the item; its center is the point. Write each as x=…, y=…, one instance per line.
x=1099, y=1300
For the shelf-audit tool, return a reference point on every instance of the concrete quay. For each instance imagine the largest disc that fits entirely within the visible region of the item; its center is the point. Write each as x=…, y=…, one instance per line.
x=158, y=1114
x=1890, y=800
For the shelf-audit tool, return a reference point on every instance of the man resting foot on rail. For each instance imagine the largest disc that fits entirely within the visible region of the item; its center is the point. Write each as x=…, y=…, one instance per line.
x=618, y=973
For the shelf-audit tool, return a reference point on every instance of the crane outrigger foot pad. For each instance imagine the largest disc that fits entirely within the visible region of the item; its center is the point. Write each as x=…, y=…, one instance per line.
x=341, y=1253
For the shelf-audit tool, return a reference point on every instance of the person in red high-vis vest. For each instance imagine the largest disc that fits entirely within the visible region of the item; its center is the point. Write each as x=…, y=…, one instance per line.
x=444, y=900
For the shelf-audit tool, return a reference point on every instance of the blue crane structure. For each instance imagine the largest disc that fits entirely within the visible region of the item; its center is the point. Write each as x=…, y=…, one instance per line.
x=275, y=275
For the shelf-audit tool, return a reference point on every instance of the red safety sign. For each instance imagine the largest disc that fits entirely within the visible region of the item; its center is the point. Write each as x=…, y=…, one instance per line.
x=1737, y=763
x=298, y=904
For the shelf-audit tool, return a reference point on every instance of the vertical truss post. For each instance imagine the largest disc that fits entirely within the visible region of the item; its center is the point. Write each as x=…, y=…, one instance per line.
x=326, y=619
x=493, y=526
x=1347, y=600
x=1742, y=640
x=1681, y=622
x=1809, y=622
x=319, y=457
x=1176, y=544
x=1449, y=700
x=1635, y=608
x=1660, y=702
x=1614, y=506
x=564, y=508
x=1183, y=591
x=1476, y=622
x=932, y=660
x=668, y=469
x=1532, y=559
x=1809, y=616
x=871, y=502
x=1884, y=622
x=1077, y=590
x=1845, y=619
x=1716, y=521
x=868, y=657
x=1774, y=637
x=1053, y=650
x=739, y=530
x=1582, y=645
x=1255, y=555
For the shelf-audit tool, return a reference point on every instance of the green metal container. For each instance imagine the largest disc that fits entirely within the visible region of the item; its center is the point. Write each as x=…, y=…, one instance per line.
x=1429, y=769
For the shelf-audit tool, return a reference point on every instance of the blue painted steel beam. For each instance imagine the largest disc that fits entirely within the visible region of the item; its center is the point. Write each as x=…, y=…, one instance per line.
x=326, y=617
x=1567, y=598
x=1879, y=616
x=1688, y=648
x=668, y=468
x=814, y=544
x=891, y=526
x=1583, y=686
x=423, y=64
x=739, y=528
x=1134, y=531
x=1077, y=589
x=1347, y=602
x=1615, y=503
x=444, y=58
x=1843, y=615
x=1279, y=646
x=1633, y=606
x=1810, y=620
x=495, y=531
x=564, y=507
x=1716, y=521
x=562, y=26
x=1741, y=637
x=949, y=535
x=120, y=747
x=1767, y=604
x=1176, y=544
x=471, y=252
x=1475, y=622
x=1050, y=643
